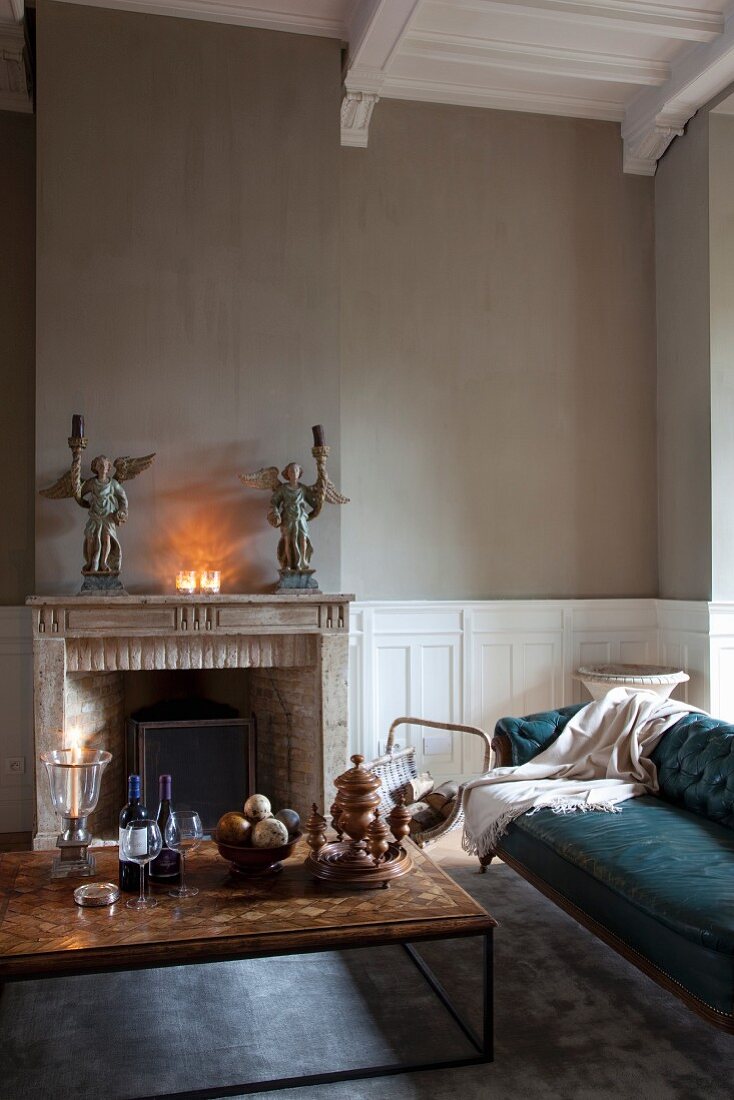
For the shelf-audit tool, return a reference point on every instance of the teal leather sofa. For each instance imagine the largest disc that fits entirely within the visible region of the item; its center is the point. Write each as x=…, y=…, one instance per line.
x=655, y=881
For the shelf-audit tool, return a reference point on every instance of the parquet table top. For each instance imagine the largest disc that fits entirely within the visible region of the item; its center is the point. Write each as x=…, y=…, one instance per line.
x=43, y=932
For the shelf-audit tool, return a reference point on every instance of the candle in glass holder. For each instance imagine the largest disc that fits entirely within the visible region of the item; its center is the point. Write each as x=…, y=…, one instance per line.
x=209, y=581
x=186, y=581
x=74, y=774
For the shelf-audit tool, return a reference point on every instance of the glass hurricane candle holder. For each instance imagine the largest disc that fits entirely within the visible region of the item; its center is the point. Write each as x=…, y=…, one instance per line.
x=210, y=582
x=75, y=776
x=186, y=581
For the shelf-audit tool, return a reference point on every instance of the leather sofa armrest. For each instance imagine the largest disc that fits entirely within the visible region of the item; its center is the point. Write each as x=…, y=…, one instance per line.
x=517, y=740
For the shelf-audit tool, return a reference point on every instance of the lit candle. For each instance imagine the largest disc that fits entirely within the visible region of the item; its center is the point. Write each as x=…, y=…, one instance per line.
x=209, y=581
x=75, y=799
x=186, y=581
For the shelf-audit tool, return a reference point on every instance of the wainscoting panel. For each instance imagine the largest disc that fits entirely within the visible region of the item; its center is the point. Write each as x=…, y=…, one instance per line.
x=16, y=719
x=685, y=642
x=721, y=639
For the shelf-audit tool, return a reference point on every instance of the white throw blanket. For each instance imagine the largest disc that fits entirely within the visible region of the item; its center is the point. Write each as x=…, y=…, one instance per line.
x=600, y=758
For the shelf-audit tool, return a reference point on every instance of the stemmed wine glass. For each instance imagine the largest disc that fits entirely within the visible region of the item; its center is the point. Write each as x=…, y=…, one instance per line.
x=184, y=832
x=141, y=842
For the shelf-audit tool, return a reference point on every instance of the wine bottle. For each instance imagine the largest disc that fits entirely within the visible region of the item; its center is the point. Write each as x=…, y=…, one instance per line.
x=129, y=875
x=166, y=867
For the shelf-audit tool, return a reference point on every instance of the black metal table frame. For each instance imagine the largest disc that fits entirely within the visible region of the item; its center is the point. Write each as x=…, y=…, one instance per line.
x=483, y=1042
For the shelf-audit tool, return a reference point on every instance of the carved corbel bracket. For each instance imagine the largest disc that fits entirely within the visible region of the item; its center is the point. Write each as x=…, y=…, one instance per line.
x=644, y=147
x=356, y=112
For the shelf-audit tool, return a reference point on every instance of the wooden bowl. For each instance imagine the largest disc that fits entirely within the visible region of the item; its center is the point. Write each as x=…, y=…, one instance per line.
x=256, y=861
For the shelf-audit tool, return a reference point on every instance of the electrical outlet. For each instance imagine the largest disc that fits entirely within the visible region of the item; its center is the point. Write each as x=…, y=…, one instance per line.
x=15, y=765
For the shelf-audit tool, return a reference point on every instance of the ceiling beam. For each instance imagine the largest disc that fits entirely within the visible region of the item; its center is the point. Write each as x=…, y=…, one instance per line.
x=657, y=116
x=661, y=20
x=379, y=31
x=544, y=103
x=521, y=57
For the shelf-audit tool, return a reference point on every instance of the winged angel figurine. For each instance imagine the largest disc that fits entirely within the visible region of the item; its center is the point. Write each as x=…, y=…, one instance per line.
x=103, y=495
x=293, y=506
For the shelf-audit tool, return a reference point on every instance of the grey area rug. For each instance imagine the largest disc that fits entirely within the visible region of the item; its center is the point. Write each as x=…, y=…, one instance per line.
x=573, y=1020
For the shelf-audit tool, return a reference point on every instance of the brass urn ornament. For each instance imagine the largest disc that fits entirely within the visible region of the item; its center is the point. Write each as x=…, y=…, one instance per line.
x=103, y=496
x=367, y=857
x=293, y=506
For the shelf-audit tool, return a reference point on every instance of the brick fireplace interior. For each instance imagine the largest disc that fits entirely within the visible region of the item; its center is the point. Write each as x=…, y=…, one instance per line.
x=281, y=701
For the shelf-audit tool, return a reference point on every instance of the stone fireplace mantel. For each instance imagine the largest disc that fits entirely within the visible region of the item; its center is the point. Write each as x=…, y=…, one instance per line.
x=295, y=645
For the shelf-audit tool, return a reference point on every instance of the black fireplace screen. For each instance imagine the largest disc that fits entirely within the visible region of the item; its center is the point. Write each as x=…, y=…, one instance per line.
x=211, y=761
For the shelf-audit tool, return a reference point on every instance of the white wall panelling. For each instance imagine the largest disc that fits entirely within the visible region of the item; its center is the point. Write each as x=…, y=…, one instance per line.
x=721, y=643
x=16, y=718
x=684, y=641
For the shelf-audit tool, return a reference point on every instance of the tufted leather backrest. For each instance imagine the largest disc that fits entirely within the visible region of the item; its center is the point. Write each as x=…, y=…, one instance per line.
x=530, y=735
x=695, y=764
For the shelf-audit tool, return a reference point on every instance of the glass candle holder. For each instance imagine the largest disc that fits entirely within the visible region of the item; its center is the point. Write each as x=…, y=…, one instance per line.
x=210, y=581
x=186, y=581
x=74, y=776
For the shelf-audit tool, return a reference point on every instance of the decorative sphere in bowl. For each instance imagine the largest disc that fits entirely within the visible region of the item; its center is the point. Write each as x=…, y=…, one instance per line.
x=290, y=819
x=256, y=861
x=257, y=808
x=233, y=828
x=269, y=833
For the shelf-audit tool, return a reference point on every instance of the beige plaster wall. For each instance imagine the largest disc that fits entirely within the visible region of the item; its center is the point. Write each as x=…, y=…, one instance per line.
x=721, y=235
x=498, y=359
x=17, y=295
x=188, y=206
x=684, y=376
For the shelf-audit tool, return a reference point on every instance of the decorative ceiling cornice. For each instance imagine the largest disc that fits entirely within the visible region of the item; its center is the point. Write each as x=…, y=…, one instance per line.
x=324, y=18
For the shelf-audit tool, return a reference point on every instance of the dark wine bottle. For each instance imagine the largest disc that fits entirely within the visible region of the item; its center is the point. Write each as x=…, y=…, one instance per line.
x=133, y=811
x=166, y=867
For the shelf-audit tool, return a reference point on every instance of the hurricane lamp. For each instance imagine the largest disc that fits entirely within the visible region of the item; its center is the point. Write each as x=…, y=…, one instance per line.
x=75, y=776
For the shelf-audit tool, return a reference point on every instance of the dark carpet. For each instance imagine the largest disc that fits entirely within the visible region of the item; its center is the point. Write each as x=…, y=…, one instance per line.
x=573, y=1020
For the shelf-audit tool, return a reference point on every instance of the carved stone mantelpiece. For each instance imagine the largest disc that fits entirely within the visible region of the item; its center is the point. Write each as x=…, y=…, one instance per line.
x=305, y=638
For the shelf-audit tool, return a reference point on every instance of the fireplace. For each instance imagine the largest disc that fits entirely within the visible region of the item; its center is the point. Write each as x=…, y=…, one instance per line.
x=206, y=748
x=287, y=656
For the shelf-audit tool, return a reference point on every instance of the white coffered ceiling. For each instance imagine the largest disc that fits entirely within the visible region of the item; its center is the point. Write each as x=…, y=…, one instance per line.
x=645, y=64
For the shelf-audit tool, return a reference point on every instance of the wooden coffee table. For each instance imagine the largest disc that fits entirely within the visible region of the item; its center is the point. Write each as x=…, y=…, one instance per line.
x=43, y=934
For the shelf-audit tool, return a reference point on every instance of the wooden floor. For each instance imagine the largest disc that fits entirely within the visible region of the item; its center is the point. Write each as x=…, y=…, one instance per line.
x=448, y=853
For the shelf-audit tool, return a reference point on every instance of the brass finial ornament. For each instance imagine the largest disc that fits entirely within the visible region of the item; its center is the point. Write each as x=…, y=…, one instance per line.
x=293, y=506
x=105, y=499
x=364, y=855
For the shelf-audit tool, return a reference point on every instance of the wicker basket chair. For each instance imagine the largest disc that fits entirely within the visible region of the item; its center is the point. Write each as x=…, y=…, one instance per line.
x=397, y=767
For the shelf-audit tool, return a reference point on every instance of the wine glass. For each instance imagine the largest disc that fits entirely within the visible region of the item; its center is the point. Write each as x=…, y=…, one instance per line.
x=141, y=842
x=184, y=832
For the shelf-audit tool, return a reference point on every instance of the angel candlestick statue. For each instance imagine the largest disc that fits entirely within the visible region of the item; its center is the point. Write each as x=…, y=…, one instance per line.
x=103, y=496
x=293, y=506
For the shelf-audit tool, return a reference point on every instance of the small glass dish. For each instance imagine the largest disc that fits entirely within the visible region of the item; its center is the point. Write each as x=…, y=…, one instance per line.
x=96, y=894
